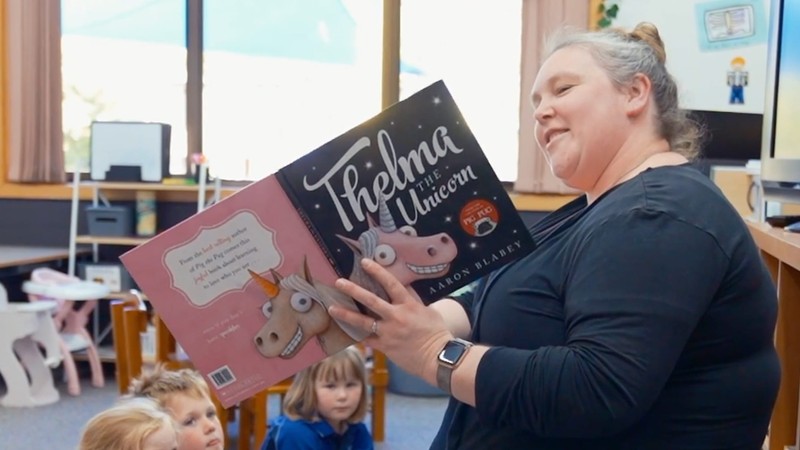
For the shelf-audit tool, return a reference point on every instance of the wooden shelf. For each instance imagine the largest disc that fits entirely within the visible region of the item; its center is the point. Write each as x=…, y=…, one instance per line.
x=111, y=240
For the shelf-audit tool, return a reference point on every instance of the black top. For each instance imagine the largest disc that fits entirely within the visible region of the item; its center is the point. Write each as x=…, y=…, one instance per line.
x=643, y=321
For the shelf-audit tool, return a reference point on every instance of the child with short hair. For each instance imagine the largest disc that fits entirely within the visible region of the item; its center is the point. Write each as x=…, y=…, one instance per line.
x=324, y=407
x=186, y=396
x=133, y=424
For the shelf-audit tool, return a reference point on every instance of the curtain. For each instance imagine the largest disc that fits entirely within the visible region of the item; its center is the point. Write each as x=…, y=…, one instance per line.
x=35, y=137
x=540, y=19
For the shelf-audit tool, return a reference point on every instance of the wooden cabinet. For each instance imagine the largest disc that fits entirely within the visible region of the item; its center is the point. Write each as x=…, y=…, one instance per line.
x=781, y=252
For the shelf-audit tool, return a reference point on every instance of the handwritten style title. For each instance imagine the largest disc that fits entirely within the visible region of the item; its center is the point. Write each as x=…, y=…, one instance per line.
x=417, y=170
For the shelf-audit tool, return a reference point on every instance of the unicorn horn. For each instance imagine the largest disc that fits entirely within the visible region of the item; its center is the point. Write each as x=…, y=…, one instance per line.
x=387, y=221
x=269, y=288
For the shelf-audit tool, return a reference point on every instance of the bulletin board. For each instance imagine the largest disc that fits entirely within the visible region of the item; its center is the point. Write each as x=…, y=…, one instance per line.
x=716, y=49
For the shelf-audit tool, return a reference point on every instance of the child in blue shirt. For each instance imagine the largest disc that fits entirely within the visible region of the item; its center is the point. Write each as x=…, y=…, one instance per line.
x=324, y=407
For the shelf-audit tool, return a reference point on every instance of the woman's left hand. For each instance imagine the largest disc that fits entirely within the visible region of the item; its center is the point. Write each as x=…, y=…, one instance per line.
x=407, y=331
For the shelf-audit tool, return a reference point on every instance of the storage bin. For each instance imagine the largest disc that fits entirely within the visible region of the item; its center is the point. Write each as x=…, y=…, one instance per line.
x=110, y=220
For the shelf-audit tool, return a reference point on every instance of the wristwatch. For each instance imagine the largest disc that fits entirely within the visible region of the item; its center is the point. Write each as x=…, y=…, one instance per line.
x=449, y=358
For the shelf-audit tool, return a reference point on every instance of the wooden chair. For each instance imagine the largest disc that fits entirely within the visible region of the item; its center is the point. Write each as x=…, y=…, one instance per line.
x=129, y=319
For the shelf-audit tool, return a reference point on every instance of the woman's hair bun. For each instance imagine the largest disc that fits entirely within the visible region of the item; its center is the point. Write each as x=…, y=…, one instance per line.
x=648, y=33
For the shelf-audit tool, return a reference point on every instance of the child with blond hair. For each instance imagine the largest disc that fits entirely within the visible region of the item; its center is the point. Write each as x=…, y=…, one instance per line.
x=133, y=424
x=324, y=407
x=186, y=396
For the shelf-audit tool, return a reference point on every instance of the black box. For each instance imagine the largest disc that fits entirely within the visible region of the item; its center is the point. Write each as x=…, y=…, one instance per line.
x=110, y=220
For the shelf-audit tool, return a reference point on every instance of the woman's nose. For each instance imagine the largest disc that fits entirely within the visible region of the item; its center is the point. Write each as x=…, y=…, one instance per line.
x=542, y=111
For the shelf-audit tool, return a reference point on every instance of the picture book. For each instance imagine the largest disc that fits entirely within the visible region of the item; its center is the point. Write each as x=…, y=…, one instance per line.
x=244, y=285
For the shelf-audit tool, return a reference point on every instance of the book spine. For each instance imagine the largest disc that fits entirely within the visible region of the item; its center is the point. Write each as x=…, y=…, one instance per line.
x=287, y=189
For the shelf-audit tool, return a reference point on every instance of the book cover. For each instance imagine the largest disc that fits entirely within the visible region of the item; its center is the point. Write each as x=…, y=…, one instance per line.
x=244, y=285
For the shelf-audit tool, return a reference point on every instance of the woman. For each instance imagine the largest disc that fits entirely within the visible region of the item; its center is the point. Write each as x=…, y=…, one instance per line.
x=645, y=317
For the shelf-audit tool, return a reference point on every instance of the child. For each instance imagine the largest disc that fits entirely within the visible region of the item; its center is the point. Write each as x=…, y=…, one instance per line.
x=134, y=424
x=324, y=407
x=185, y=395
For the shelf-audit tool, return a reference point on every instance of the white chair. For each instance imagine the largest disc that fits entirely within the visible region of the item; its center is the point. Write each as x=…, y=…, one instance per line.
x=23, y=327
x=49, y=284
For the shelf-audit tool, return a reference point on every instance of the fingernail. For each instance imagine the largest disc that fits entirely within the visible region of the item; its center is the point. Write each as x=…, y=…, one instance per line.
x=365, y=262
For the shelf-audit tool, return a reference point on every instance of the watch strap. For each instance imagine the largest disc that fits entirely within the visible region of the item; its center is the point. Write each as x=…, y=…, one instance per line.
x=444, y=371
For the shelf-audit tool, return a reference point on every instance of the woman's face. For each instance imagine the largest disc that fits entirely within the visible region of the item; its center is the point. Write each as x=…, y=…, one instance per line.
x=580, y=116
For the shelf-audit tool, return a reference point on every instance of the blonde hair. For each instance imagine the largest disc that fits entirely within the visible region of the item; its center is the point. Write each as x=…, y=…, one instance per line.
x=348, y=364
x=125, y=426
x=641, y=51
x=161, y=384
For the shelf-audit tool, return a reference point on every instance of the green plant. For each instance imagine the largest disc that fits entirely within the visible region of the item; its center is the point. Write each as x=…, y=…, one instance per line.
x=607, y=14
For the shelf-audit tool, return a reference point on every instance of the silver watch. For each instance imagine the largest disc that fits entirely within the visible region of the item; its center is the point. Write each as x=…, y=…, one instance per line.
x=449, y=358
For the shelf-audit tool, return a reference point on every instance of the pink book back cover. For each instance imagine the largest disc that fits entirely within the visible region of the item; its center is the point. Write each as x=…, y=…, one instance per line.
x=197, y=277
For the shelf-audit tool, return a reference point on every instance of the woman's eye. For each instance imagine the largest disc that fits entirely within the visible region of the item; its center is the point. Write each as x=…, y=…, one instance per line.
x=301, y=302
x=562, y=89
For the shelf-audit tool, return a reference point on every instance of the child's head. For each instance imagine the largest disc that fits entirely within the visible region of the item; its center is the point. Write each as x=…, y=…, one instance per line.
x=133, y=424
x=333, y=389
x=185, y=395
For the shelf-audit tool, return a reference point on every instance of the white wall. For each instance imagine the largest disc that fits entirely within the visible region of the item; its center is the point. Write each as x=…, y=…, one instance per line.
x=700, y=67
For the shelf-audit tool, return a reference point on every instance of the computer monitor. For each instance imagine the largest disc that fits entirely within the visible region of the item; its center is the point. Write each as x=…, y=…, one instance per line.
x=780, y=148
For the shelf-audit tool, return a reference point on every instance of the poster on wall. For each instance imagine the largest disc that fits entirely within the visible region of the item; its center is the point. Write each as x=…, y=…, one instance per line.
x=724, y=24
x=720, y=60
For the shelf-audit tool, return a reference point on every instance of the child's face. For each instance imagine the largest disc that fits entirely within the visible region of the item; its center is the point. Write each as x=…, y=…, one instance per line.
x=337, y=400
x=198, y=424
x=165, y=438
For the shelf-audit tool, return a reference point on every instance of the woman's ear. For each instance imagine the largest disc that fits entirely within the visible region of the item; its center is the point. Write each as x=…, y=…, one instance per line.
x=638, y=95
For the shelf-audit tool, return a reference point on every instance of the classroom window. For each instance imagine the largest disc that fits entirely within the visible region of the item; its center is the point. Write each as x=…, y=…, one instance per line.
x=474, y=46
x=122, y=60
x=280, y=78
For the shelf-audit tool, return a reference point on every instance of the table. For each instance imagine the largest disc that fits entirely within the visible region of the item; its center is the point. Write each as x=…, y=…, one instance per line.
x=18, y=261
x=17, y=255
x=781, y=252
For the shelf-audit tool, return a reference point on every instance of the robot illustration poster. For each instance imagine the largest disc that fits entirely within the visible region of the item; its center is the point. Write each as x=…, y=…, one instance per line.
x=737, y=80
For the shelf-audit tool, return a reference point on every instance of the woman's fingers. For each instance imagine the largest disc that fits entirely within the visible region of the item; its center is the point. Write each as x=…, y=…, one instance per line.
x=393, y=287
x=363, y=296
x=353, y=318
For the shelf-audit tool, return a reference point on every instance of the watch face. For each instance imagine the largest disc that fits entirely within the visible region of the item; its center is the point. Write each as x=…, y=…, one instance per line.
x=452, y=352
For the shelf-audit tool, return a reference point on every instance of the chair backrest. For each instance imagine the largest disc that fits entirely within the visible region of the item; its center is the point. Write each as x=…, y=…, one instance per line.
x=128, y=320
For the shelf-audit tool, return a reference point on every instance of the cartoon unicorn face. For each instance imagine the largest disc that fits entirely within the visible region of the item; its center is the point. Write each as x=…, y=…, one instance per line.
x=296, y=312
x=401, y=251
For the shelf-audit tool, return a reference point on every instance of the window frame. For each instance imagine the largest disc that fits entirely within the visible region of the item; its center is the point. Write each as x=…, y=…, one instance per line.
x=389, y=95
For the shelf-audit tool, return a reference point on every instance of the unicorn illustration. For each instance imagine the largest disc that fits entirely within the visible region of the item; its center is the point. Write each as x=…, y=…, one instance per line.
x=297, y=311
x=404, y=254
